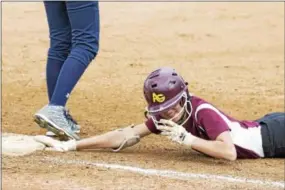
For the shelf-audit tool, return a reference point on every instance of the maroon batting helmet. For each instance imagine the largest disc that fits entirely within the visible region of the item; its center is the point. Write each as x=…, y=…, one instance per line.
x=163, y=88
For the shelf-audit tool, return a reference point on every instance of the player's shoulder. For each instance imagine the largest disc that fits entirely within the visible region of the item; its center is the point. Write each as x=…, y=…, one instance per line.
x=199, y=104
x=197, y=101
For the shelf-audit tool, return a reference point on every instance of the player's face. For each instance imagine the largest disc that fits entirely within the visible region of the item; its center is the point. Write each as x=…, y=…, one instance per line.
x=175, y=113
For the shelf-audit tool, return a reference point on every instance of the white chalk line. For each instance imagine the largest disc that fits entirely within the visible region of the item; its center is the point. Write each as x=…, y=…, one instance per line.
x=168, y=173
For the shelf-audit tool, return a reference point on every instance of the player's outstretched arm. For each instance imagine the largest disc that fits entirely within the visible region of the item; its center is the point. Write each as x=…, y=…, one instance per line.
x=116, y=140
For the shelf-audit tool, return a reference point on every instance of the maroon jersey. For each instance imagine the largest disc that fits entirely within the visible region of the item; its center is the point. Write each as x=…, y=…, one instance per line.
x=208, y=122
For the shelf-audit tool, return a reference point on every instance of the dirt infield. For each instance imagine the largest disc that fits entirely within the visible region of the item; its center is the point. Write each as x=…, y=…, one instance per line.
x=232, y=54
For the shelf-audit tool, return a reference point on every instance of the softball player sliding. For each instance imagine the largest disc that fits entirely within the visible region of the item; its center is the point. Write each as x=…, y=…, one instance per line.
x=190, y=121
x=74, y=43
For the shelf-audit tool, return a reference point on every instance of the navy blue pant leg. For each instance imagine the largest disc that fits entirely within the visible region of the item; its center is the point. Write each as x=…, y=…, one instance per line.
x=85, y=25
x=60, y=41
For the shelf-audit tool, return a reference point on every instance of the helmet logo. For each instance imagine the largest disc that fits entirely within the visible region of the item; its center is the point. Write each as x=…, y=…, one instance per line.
x=158, y=98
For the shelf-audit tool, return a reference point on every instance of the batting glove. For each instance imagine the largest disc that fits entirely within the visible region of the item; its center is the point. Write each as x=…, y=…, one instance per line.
x=55, y=145
x=175, y=132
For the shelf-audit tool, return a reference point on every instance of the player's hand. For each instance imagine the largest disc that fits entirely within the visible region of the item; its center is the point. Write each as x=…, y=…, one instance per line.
x=56, y=145
x=175, y=132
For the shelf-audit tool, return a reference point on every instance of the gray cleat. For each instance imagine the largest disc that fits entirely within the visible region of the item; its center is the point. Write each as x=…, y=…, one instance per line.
x=56, y=119
x=75, y=127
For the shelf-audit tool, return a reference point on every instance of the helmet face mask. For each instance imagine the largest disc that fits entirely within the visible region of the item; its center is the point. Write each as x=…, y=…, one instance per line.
x=163, y=90
x=183, y=115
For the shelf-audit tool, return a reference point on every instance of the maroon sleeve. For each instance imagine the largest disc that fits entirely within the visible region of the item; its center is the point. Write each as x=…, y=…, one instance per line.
x=151, y=126
x=212, y=122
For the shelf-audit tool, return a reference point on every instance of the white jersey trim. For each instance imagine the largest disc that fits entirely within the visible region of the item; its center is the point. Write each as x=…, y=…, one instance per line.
x=248, y=138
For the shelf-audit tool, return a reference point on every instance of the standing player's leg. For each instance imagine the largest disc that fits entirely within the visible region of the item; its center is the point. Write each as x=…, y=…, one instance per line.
x=60, y=41
x=54, y=117
x=84, y=19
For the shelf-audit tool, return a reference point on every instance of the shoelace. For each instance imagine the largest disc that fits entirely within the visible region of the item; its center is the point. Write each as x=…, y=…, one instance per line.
x=71, y=120
x=68, y=116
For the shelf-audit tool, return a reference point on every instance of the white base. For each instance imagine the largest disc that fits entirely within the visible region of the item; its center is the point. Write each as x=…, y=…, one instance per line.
x=18, y=145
